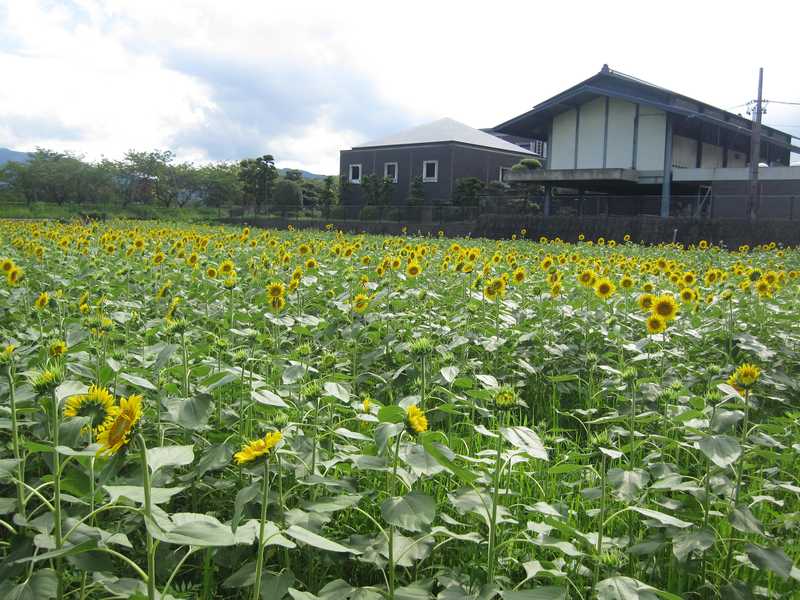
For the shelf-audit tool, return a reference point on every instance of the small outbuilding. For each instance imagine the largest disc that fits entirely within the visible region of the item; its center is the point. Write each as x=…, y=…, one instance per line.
x=439, y=153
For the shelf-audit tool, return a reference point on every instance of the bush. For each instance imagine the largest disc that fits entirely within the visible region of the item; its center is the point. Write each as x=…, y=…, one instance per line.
x=370, y=213
x=531, y=163
x=288, y=194
x=519, y=168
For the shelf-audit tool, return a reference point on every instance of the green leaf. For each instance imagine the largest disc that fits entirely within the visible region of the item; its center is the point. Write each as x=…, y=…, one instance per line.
x=268, y=398
x=722, y=450
x=687, y=542
x=192, y=529
x=317, y=541
x=8, y=468
x=337, y=390
x=138, y=381
x=465, y=475
x=624, y=588
x=662, y=518
x=545, y=592
x=627, y=484
x=274, y=587
x=191, y=413
x=169, y=456
x=158, y=495
x=244, y=496
x=216, y=457
x=68, y=389
x=742, y=519
x=413, y=512
x=42, y=585
x=449, y=374
x=526, y=440
x=391, y=414
x=770, y=559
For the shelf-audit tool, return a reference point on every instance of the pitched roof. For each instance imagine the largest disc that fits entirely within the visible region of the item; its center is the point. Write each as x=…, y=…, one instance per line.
x=444, y=130
x=609, y=82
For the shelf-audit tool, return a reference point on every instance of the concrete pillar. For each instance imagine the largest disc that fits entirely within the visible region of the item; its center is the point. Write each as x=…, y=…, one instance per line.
x=548, y=191
x=666, y=184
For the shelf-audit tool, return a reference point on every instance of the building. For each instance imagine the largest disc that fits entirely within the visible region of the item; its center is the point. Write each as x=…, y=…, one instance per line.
x=440, y=153
x=633, y=147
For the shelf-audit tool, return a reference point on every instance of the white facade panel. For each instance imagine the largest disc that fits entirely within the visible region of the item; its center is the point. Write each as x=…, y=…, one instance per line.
x=591, y=134
x=621, y=123
x=684, y=152
x=736, y=159
x=562, y=146
x=650, y=142
x=712, y=157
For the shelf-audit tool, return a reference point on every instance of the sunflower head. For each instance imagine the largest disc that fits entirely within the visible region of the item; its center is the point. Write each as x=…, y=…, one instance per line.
x=57, y=348
x=413, y=269
x=656, y=324
x=7, y=354
x=746, y=375
x=115, y=434
x=42, y=301
x=604, y=288
x=421, y=346
x=665, y=307
x=46, y=380
x=257, y=448
x=505, y=398
x=360, y=303
x=416, y=421
x=276, y=289
x=97, y=404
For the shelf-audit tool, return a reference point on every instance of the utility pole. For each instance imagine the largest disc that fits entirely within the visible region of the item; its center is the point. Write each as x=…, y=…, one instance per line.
x=755, y=153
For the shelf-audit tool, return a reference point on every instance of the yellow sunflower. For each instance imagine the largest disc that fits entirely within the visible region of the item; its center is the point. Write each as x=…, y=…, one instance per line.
x=413, y=269
x=416, y=421
x=656, y=324
x=116, y=434
x=42, y=301
x=604, y=288
x=360, y=303
x=665, y=307
x=745, y=375
x=276, y=289
x=97, y=404
x=257, y=448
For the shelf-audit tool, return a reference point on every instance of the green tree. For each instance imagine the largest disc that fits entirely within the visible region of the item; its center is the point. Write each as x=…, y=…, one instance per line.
x=293, y=175
x=467, y=191
x=329, y=196
x=258, y=176
x=288, y=195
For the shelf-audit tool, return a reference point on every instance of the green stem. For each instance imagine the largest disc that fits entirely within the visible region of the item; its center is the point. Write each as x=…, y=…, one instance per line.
x=148, y=515
x=391, y=527
x=599, y=547
x=490, y=560
x=261, y=545
x=57, y=533
x=15, y=442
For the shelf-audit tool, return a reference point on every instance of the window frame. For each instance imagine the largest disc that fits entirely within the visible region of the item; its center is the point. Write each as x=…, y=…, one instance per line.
x=435, y=178
x=396, y=171
x=508, y=169
x=350, y=173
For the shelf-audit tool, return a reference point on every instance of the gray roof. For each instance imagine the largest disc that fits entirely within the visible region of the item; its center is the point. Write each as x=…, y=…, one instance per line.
x=445, y=130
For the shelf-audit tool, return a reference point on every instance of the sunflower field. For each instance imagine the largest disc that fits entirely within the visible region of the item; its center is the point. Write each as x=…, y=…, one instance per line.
x=191, y=411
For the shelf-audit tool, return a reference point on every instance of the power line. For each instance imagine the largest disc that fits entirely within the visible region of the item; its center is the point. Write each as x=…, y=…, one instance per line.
x=783, y=102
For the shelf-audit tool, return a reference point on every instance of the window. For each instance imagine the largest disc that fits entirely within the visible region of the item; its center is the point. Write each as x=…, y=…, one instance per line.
x=503, y=172
x=390, y=171
x=355, y=173
x=537, y=147
x=430, y=171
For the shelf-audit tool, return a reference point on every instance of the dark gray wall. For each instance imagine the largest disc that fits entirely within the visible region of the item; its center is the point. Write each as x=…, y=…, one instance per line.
x=455, y=161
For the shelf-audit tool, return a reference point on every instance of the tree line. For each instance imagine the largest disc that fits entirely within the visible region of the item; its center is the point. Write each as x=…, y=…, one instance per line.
x=156, y=178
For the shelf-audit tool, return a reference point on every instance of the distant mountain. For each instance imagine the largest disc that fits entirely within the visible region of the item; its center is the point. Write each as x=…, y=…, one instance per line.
x=306, y=174
x=7, y=155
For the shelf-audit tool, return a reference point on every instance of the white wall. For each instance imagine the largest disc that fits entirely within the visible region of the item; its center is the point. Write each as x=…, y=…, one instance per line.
x=736, y=159
x=684, y=152
x=591, y=134
x=562, y=146
x=650, y=143
x=621, y=122
x=712, y=156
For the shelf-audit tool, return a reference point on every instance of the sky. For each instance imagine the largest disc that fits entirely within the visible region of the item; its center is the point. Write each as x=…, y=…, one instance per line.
x=302, y=80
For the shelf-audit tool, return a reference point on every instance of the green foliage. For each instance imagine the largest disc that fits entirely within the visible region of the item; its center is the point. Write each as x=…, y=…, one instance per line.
x=288, y=194
x=468, y=191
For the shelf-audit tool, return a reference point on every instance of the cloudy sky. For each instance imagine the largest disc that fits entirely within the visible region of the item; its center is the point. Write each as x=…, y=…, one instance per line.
x=224, y=80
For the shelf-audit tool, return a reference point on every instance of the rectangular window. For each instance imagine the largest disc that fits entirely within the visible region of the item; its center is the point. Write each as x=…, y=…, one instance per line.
x=430, y=171
x=537, y=147
x=390, y=171
x=355, y=173
x=503, y=172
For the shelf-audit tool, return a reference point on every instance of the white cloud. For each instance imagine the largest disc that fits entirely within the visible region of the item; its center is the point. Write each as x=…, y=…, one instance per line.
x=134, y=73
